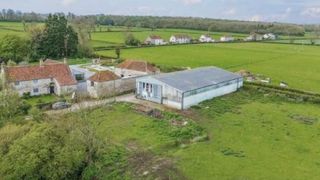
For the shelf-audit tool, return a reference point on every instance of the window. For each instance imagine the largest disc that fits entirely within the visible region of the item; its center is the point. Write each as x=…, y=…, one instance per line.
x=79, y=77
x=35, y=90
x=92, y=83
x=35, y=81
x=17, y=83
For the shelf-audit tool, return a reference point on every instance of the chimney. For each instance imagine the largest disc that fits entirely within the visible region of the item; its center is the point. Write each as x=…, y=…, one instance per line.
x=41, y=63
x=65, y=61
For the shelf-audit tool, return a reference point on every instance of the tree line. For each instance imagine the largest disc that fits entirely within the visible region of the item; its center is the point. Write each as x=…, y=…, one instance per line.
x=153, y=22
x=206, y=24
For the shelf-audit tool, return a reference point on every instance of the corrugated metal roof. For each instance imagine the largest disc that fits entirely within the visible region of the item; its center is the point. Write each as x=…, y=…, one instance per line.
x=196, y=78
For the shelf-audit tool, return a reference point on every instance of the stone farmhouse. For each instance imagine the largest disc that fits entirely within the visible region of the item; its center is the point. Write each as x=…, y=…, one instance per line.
x=180, y=39
x=254, y=37
x=49, y=77
x=184, y=89
x=154, y=40
x=106, y=83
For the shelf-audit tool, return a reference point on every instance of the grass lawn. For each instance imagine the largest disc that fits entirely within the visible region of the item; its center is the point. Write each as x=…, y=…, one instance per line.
x=252, y=136
x=33, y=101
x=297, y=65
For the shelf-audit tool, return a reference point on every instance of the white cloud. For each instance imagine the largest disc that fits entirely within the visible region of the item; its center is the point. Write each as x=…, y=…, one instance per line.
x=191, y=2
x=68, y=2
x=311, y=12
x=256, y=18
x=230, y=12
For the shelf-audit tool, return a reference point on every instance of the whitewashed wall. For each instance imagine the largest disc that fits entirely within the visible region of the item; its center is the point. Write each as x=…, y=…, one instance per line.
x=128, y=73
x=109, y=88
x=28, y=86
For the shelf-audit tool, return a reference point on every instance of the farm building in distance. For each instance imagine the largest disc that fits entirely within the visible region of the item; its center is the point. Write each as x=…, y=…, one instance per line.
x=49, y=77
x=226, y=39
x=184, y=89
x=206, y=38
x=180, y=39
x=154, y=40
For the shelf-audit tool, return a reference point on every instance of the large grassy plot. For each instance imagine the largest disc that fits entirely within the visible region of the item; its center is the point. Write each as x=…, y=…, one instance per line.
x=251, y=136
x=298, y=65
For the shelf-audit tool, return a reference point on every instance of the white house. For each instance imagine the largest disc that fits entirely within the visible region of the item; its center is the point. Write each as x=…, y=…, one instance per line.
x=134, y=68
x=154, y=40
x=226, y=39
x=270, y=36
x=254, y=37
x=180, y=39
x=184, y=89
x=206, y=38
x=49, y=77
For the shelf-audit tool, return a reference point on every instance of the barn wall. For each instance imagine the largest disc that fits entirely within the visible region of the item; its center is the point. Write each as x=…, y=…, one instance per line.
x=197, y=98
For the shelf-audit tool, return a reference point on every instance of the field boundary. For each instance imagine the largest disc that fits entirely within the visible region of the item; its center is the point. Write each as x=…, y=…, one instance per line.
x=289, y=92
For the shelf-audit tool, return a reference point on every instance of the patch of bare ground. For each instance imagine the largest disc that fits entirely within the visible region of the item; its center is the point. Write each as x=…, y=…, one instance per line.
x=146, y=165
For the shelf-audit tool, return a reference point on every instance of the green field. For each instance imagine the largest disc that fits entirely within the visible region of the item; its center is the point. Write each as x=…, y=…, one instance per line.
x=297, y=65
x=119, y=37
x=251, y=136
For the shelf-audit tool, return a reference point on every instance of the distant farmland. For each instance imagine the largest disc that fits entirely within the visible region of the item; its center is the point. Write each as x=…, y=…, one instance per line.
x=297, y=65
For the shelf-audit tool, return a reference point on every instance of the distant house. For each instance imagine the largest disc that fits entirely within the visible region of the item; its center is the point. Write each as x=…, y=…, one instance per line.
x=49, y=77
x=270, y=36
x=184, y=89
x=180, y=39
x=254, y=37
x=226, y=39
x=154, y=40
x=133, y=68
x=206, y=38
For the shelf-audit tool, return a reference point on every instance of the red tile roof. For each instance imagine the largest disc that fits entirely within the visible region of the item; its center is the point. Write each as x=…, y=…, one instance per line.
x=59, y=71
x=141, y=66
x=104, y=76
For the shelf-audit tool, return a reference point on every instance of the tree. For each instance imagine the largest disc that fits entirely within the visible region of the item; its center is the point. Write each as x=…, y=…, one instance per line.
x=83, y=30
x=118, y=51
x=57, y=40
x=13, y=47
x=131, y=40
x=11, y=105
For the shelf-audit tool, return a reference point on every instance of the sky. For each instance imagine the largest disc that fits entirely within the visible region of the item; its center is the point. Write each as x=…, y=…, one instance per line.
x=292, y=11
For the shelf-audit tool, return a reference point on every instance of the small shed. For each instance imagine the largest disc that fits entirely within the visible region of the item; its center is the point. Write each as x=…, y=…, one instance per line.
x=184, y=89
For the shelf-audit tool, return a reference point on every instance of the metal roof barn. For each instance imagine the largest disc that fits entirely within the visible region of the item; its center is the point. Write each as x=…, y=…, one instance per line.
x=196, y=78
x=184, y=89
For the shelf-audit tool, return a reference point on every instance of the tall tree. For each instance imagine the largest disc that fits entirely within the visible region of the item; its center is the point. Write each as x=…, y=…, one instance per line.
x=58, y=38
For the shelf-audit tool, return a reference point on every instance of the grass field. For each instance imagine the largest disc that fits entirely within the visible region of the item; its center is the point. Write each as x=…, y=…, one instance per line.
x=252, y=136
x=297, y=65
x=119, y=37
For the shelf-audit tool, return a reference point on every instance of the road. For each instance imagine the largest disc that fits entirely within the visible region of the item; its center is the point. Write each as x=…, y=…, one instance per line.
x=96, y=103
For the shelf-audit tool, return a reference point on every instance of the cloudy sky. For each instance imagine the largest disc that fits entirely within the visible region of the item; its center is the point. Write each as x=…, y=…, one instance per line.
x=295, y=11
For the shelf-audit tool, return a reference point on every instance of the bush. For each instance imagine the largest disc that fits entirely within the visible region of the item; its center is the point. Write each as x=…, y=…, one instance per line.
x=131, y=40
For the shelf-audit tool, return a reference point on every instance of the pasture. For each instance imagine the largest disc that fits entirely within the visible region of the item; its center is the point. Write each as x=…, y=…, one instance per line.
x=251, y=136
x=298, y=65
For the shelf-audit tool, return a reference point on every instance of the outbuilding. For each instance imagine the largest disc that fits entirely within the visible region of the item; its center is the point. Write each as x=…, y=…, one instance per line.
x=184, y=89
